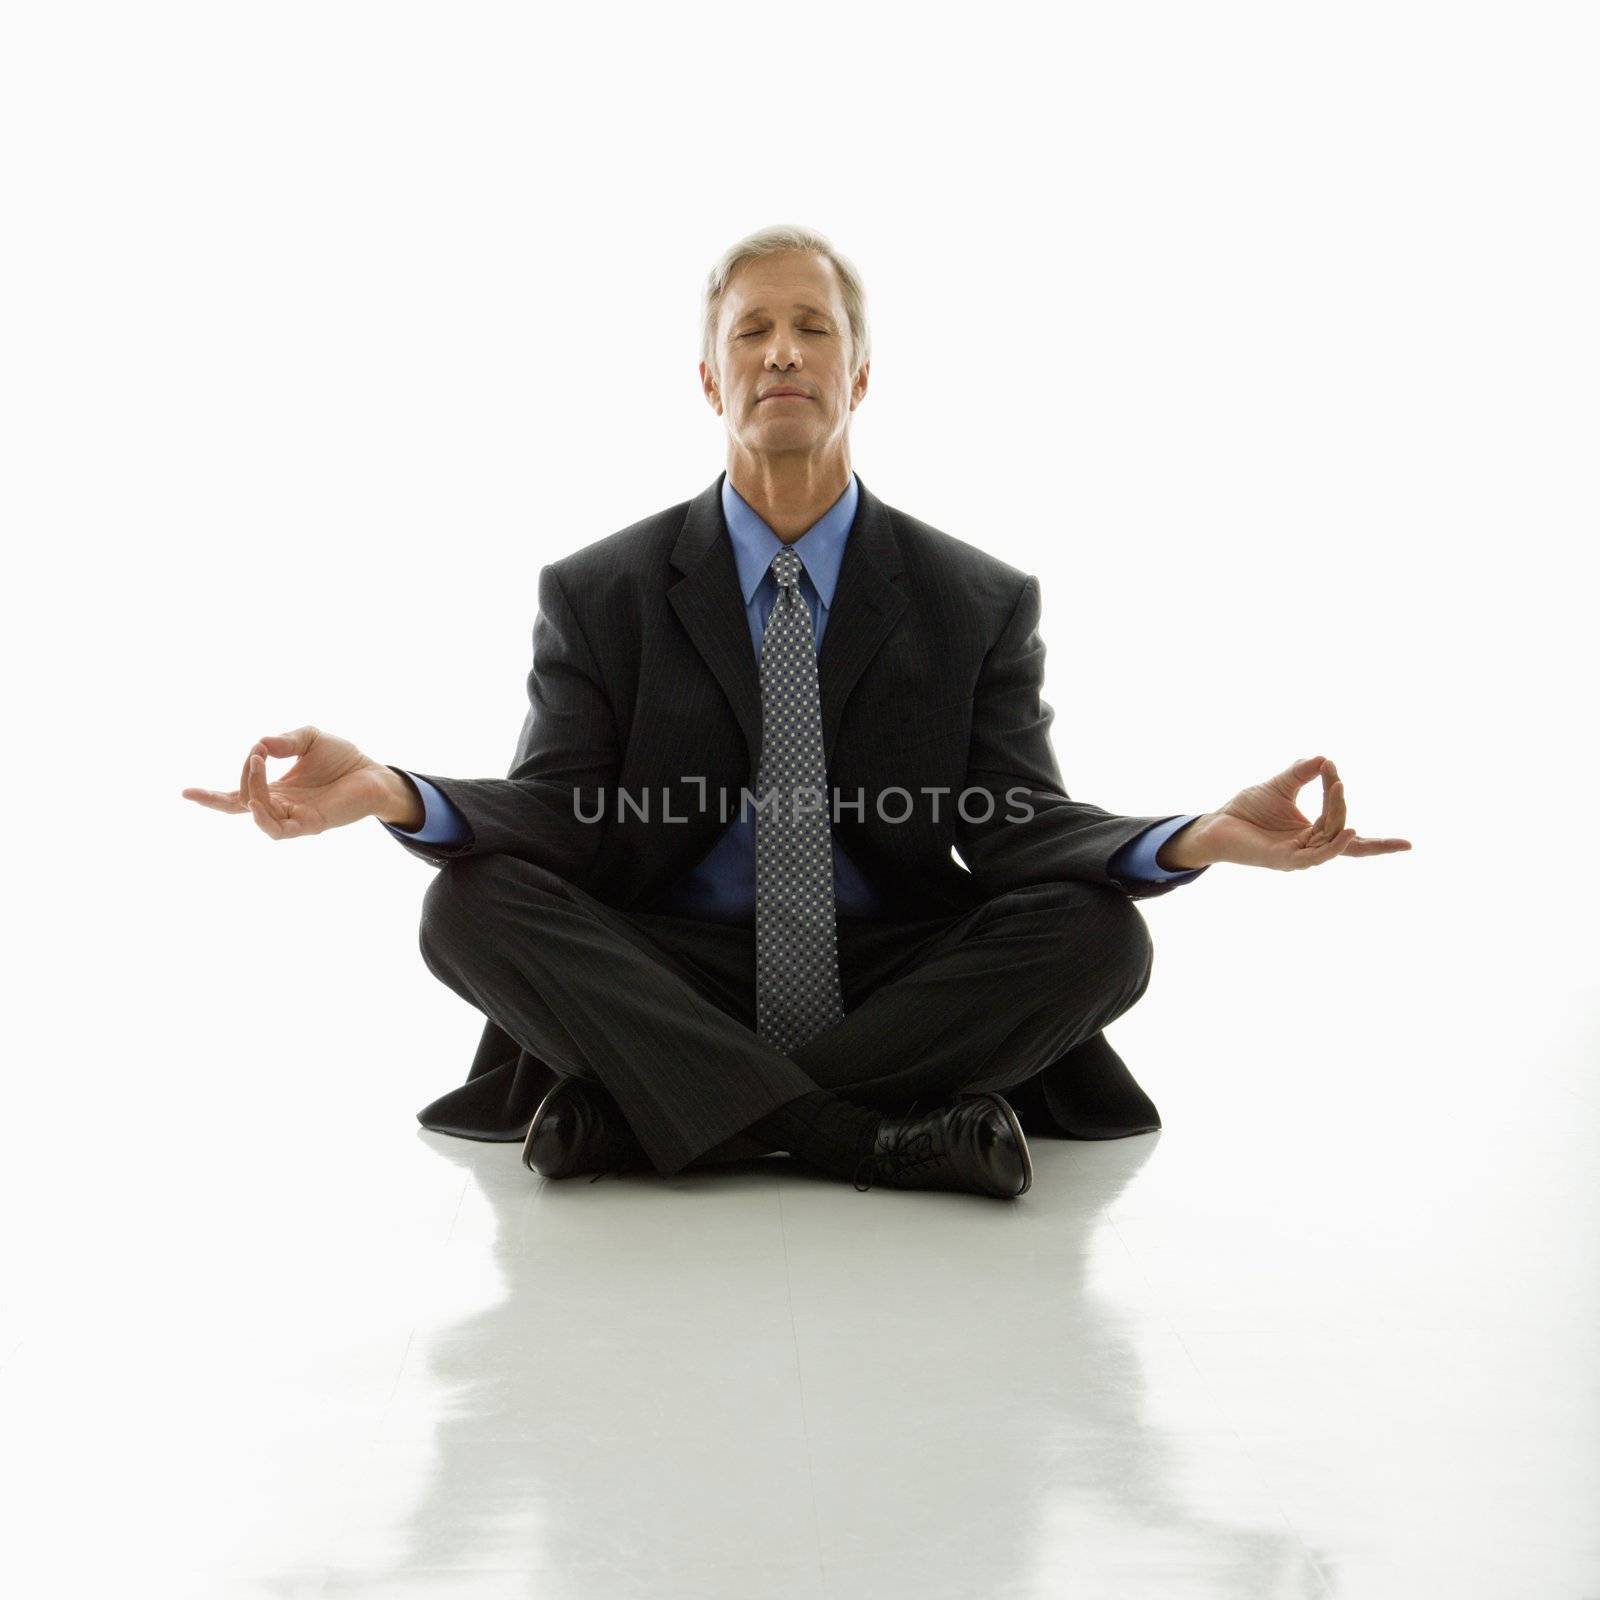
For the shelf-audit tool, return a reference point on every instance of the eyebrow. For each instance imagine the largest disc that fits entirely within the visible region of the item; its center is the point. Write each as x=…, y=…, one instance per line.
x=761, y=311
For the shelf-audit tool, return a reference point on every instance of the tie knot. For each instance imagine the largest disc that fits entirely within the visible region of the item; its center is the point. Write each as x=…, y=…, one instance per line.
x=786, y=568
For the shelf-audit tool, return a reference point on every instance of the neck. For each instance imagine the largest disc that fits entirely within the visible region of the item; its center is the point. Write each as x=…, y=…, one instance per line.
x=789, y=492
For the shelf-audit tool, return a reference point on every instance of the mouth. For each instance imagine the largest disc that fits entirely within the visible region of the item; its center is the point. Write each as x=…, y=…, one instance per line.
x=784, y=394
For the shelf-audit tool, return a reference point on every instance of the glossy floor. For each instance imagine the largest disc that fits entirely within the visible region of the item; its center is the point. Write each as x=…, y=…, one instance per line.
x=1329, y=1333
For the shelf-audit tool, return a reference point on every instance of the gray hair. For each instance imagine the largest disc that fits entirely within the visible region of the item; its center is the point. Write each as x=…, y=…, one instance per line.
x=783, y=239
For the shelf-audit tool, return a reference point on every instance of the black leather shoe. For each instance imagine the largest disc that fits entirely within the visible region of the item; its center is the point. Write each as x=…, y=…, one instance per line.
x=974, y=1143
x=580, y=1128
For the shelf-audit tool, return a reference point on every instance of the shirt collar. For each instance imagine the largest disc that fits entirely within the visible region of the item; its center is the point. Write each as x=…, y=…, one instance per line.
x=820, y=547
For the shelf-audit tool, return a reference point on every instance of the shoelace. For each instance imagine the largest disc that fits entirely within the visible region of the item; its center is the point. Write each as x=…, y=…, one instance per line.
x=901, y=1160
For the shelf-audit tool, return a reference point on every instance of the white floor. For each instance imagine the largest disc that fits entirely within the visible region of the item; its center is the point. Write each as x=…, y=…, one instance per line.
x=1331, y=1332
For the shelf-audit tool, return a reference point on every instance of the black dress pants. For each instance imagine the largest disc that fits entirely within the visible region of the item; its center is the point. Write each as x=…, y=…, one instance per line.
x=661, y=1009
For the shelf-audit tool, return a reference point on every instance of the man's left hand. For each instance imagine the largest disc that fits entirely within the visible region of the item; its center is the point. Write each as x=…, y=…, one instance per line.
x=1263, y=827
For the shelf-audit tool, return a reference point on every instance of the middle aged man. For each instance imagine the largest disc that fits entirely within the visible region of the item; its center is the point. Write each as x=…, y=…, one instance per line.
x=785, y=853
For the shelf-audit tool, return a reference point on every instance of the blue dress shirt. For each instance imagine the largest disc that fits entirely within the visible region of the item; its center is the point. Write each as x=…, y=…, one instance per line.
x=721, y=886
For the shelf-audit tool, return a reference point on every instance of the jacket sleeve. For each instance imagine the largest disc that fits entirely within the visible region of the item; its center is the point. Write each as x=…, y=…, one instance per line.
x=441, y=822
x=553, y=805
x=1137, y=859
x=1034, y=832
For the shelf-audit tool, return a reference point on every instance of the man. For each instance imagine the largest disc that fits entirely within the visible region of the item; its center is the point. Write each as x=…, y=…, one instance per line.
x=785, y=853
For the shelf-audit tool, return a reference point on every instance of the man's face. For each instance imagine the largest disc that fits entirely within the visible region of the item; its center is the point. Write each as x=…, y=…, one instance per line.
x=782, y=326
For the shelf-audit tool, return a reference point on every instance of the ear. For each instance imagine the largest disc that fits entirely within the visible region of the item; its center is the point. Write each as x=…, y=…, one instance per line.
x=858, y=389
x=713, y=390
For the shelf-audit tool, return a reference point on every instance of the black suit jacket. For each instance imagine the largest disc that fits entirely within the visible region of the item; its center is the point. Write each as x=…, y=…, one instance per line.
x=644, y=682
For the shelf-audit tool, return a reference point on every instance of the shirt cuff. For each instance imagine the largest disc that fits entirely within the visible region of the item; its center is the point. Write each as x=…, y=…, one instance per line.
x=1137, y=858
x=441, y=822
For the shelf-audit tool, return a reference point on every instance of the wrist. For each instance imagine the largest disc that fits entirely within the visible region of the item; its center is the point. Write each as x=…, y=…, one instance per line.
x=399, y=801
x=1187, y=849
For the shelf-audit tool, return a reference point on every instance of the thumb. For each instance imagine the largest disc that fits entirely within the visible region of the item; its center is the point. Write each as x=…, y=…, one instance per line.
x=288, y=744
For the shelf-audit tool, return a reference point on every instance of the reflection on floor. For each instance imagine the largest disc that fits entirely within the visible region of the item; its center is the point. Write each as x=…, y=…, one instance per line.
x=1336, y=1355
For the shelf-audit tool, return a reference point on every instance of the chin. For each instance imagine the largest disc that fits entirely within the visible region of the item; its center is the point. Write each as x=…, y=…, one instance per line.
x=787, y=433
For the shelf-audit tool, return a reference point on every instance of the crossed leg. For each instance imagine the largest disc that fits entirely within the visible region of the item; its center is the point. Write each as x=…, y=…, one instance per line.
x=661, y=1009
x=983, y=1000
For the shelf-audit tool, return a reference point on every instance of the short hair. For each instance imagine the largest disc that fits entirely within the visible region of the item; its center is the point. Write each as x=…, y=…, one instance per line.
x=785, y=239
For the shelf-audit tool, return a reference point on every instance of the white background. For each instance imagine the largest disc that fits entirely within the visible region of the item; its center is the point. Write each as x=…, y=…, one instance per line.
x=1265, y=335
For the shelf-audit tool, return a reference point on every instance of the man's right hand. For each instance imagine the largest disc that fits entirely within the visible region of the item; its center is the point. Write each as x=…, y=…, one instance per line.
x=331, y=785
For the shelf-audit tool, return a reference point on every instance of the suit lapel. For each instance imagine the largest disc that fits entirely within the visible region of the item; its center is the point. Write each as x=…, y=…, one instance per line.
x=711, y=608
x=866, y=605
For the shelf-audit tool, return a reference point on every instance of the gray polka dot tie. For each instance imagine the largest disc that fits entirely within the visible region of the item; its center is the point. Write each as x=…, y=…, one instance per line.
x=797, y=951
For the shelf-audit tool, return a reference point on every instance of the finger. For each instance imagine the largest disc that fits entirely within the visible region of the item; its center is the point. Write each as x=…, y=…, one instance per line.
x=1338, y=844
x=265, y=819
x=1326, y=852
x=1331, y=817
x=1321, y=832
x=294, y=743
x=217, y=800
x=259, y=793
x=264, y=793
x=1333, y=799
x=1297, y=775
x=271, y=813
x=1376, y=847
x=244, y=772
x=287, y=826
x=290, y=818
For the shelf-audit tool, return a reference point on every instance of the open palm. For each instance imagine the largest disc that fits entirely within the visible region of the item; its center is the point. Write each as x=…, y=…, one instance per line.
x=331, y=784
